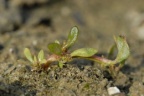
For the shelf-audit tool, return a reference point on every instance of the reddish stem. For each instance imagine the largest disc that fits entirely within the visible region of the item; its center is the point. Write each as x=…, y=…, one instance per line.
x=50, y=59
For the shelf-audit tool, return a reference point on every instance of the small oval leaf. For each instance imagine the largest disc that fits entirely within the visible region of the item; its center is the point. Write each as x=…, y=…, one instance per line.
x=84, y=52
x=40, y=55
x=55, y=48
x=123, y=49
x=35, y=60
x=72, y=37
x=28, y=55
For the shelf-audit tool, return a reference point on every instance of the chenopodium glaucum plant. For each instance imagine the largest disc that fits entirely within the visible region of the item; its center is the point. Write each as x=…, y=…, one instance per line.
x=61, y=54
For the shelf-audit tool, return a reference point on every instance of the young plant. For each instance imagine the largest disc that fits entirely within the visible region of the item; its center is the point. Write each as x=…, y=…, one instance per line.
x=36, y=61
x=60, y=52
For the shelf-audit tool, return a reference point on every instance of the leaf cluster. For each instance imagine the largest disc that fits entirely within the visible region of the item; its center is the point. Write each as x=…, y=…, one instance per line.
x=35, y=60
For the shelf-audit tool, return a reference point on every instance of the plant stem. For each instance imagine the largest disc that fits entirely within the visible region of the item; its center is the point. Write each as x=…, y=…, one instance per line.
x=101, y=60
x=50, y=59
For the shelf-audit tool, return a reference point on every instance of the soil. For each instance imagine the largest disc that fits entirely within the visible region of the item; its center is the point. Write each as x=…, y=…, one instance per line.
x=36, y=23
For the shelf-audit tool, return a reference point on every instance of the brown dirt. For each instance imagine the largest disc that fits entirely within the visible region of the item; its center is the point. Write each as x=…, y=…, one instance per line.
x=39, y=23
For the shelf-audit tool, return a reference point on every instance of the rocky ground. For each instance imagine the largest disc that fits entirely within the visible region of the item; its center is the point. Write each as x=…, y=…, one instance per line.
x=35, y=23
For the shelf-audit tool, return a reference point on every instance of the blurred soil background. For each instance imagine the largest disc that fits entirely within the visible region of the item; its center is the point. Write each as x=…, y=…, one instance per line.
x=35, y=23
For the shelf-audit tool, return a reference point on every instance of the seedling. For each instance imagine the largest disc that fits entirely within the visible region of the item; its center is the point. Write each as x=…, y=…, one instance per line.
x=36, y=61
x=60, y=52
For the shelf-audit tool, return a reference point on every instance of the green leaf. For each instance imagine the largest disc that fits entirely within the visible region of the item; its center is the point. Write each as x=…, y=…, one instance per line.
x=60, y=64
x=84, y=52
x=123, y=49
x=72, y=37
x=35, y=60
x=28, y=55
x=55, y=48
x=43, y=61
x=112, y=51
x=40, y=55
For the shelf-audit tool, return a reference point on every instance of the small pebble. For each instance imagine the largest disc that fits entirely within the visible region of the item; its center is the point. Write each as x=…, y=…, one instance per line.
x=113, y=90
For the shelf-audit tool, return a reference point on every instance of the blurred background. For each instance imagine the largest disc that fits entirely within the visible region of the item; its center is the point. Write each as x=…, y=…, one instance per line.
x=35, y=23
